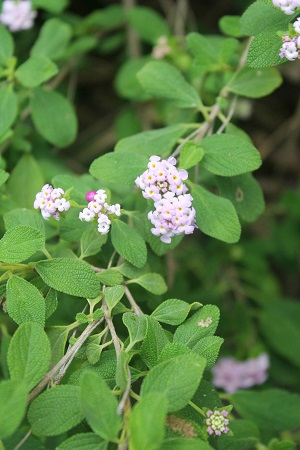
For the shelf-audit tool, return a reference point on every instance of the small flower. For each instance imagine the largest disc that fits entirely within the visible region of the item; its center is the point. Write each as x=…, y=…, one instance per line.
x=90, y=196
x=51, y=202
x=161, y=49
x=217, y=422
x=17, y=15
x=287, y=6
x=205, y=323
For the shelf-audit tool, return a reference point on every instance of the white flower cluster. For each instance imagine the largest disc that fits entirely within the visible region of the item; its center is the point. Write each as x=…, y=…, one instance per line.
x=287, y=6
x=98, y=208
x=162, y=48
x=51, y=202
x=17, y=15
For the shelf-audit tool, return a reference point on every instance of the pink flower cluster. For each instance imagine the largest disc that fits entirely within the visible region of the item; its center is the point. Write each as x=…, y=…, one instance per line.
x=51, y=202
x=217, y=422
x=163, y=183
x=98, y=208
x=232, y=375
x=287, y=6
x=290, y=47
x=17, y=15
x=162, y=48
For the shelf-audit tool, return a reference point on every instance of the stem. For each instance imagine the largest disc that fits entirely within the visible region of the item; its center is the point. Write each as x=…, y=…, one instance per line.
x=196, y=408
x=132, y=302
x=111, y=327
x=19, y=445
x=2, y=445
x=46, y=253
x=133, y=42
x=70, y=354
x=125, y=396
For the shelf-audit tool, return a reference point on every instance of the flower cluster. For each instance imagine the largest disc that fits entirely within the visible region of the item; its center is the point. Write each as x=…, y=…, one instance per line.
x=287, y=6
x=163, y=183
x=98, y=208
x=161, y=49
x=217, y=422
x=290, y=48
x=232, y=375
x=17, y=15
x=51, y=202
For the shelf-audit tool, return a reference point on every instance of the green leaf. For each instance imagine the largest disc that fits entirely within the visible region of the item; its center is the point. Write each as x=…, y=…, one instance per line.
x=94, y=391
x=29, y=354
x=190, y=155
x=162, y=140
x=128, y=243
x=55, y=411
x=58, y=337
x=147, y=422
x=172, y=350
x=114, y=168
x=83, y=441
x=147, y=23
x=185, y=444
x=24, y=240
x=113, y=295
x=254, y=83
x=137, y=327
x=25, y=181
x=216, y=216
x=228, y=155
x=13, y=399
x=70, y=276
x=209, y=348
x=279, y=324
x=162, y=80
x=245, y=436
x=35, y=71
x=53, y=39
x=275, y=410
x=152, y=282
x=230, y=25
x=110, y=277
x=7, y=45
x=245, y=194
x=8, y=108
x=173, y=311
x=3, y=176
x=275, y=444
x=55, y=6
x=177, y=378
x=260, y=17
x=24, y=301
x=127, y=84
x=153, y=343
x=91, y=242
x=264, y=50
x=192, y=330
x=22, y=216
x=54, y=117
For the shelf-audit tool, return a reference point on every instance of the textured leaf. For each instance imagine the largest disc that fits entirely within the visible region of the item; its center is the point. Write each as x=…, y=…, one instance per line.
x=190, y=155
x=209, y=348
x=152, y=282
x=155, y=340
x=83, y=441
x=163, y=80
x=113, y=295
x=24, y=240
x=172, y=350
x=13, y=398
x=228, y=155
x=177, y=378
x=29, y=354
x=25, y=181
x=147, y=422
x=162, y=140
x=230, y=25
x=254, y=83
x=185, y=444
x=128, y=243
x=53, y=39
x=147, y=23
x=94, y=391
x=55, y=6
x=55, y=411
x=245, y=436
x=70, y=276
x=173, y=311
x=216, y=216
x=118, y=168
x=7, y=45
x=127, y=84
x=192, y=330
x=8, y=108
x=54, y=117
x=110, y=277
x=275, y=410
x=24, y=301
x=245, y=194
x=91, y=242
x=35, y=71
x=264, y=50
x=137, y=327
x=58, y=337
x=24, y=216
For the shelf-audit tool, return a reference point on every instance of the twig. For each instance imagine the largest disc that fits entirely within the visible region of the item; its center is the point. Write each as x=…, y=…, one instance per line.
x=111, y=327
x=125, y=395
x=229, y=115
x=133, y=42
x=70, y=354
x=23, y=440
x=180, y=17
x=132, y=302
